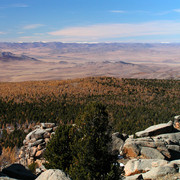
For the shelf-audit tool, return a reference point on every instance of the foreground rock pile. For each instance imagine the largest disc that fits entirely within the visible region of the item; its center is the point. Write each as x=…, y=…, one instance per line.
x=153, y=152
x=148, y=154
x=35, y=144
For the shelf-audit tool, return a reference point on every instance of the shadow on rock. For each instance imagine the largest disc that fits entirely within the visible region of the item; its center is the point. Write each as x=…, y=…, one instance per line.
x=18, y=171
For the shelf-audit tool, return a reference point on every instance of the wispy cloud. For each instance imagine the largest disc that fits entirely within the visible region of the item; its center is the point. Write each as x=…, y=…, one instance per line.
x=33, y=26
x=26, y=37
x=129, y=12
x=14, y=6
x=167, y=12
x=2, y=32
x=20, y=32
x=39, y=34
x=177, y=10
x=123, y=30
x=117, y=11
x=20, y=5
x=163, y=13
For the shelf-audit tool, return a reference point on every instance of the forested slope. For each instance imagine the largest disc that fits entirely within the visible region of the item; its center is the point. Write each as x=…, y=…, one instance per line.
x=132, y=104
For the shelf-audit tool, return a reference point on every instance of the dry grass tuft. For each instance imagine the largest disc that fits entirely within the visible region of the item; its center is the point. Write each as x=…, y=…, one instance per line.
x=8, y=156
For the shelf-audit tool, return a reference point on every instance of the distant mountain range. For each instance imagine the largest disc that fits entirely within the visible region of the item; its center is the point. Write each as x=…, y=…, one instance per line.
x=56, y=60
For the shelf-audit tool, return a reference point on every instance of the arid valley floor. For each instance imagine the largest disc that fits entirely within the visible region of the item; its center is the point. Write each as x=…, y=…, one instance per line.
x=55, y=61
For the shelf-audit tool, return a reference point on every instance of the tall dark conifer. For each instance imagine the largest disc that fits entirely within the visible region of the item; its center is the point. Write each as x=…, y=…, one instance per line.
x=93, y=160
x=82, y=149
x=58, y=151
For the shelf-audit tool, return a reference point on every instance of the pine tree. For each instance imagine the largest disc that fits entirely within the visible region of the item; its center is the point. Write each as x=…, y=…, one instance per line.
x=58, y=152
x=82, y=150
x=93, y=160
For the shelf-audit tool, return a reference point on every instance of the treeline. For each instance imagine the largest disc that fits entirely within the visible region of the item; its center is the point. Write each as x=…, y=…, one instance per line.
x=132, y=104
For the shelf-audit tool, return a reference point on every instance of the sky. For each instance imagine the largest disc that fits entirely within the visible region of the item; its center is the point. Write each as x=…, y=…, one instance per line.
x=146, y=21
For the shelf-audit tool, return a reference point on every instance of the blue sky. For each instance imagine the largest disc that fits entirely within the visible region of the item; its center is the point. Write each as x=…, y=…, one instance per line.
x=90, y=20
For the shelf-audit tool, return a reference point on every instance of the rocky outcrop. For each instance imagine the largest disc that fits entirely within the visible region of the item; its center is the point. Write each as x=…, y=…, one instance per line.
x=154, y=153
x=161, y=146
x=35, y=144
x=53, y=174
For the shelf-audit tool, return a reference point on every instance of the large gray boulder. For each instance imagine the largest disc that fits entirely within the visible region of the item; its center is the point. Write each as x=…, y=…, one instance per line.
x=150, y=169
x=142, y=165
x=156, y=172
x=53, y=174
x=150, y=153
x=170, y=138
x=156, y=130
x=172, y=143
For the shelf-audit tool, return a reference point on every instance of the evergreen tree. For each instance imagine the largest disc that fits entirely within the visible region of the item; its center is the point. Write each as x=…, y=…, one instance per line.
x=93, y=160
x=82, y=150
x=58, y=151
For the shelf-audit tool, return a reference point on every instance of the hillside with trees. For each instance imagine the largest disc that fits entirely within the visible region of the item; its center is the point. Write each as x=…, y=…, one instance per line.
x=132, y=104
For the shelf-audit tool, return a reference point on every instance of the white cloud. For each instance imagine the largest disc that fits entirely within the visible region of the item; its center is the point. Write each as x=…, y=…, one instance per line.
x=122, y=30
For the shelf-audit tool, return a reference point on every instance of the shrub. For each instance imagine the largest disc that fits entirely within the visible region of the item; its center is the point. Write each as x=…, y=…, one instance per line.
x=32, y=167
